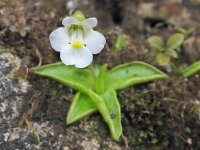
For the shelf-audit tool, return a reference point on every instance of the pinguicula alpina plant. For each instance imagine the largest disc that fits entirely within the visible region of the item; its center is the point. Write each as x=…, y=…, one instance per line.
x=166, y=51
x=96, y=86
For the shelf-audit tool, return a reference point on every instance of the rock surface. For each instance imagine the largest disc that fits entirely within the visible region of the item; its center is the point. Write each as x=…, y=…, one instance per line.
x=52, y=136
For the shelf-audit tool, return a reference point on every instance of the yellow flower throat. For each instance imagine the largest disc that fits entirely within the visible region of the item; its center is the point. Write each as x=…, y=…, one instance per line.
x=77, y=44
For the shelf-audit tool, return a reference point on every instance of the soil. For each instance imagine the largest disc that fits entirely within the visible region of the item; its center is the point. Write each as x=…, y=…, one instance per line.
x=155, y=115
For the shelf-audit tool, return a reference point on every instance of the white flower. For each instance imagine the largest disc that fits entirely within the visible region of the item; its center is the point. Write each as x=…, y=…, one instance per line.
x=77, y=41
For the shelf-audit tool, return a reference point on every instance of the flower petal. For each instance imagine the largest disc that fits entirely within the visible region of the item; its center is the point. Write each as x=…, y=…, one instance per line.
x=95, y=41
x=67, y=21
x=81, y=58
x=92, y=22
x=59, y=38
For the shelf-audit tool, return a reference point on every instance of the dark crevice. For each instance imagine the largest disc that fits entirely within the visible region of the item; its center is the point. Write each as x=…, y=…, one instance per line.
x=156, y=22
x=116, y=11
x=114, y=7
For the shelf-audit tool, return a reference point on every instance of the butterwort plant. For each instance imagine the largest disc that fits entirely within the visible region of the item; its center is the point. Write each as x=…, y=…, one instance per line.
x=96, y=86
x=166, y=50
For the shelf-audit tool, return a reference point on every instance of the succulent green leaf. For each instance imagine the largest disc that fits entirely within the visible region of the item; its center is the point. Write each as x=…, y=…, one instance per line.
x=130, y=74
x=182, y=30
x=191, y=70
x=109, y=107
x=186, y=32
x=121, y=42
x=172, y=53
x=175, y=41
x=156, y=42
x=79, y=15
x=81, y=106
x=104, y=99
x=101, y=79
x=190, y=31
x=162, y=59
x=114, y=110
x=110, y=116
x=68, y=75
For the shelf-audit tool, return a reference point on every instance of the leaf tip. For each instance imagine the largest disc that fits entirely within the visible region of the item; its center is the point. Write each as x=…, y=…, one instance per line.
x=69, y=120
x=165, y=76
